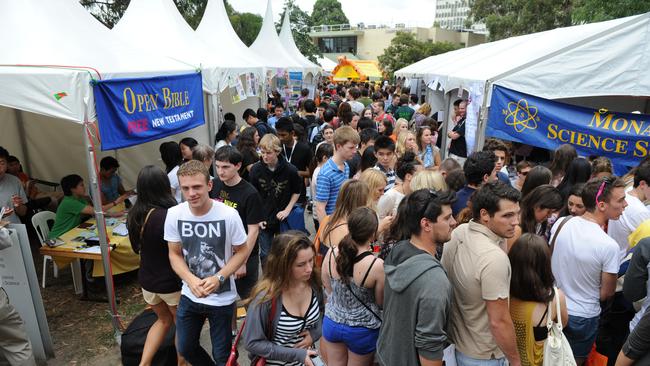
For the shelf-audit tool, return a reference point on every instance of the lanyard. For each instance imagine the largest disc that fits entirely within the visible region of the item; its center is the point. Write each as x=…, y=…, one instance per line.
x=293, y=148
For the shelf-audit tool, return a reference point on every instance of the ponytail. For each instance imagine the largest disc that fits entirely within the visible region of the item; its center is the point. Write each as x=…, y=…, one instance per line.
x=347, y=251
x=364, y=221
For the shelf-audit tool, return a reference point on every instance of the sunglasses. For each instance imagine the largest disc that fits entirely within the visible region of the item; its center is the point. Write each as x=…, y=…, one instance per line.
x=604, y=184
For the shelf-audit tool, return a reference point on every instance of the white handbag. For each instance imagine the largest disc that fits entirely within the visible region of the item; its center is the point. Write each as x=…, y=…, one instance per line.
x=557, y=351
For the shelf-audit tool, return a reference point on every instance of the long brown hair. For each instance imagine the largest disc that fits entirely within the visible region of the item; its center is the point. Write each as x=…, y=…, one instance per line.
x=364, y=221
x=354, y=193
x=278, y=270
x=530, y=262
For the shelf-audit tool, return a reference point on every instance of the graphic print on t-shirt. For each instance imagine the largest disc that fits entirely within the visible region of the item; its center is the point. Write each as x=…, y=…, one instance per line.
x=204, y=244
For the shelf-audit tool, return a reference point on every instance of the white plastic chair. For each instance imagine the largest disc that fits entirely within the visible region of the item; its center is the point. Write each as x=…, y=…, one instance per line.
x=39, y=221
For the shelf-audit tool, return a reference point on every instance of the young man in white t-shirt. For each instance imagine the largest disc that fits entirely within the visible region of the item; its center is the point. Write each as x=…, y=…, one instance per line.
x=585, y=261
x=635, y=213
x=207, y=244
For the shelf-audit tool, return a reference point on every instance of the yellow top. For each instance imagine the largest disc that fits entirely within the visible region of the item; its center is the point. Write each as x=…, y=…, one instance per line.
x=530, y=352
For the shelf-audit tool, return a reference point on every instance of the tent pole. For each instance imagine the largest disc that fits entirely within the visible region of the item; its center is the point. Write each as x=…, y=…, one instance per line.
x=482, y=119
x=445, y=127
x=210, y=119
x=23, y=143
x=101, y=229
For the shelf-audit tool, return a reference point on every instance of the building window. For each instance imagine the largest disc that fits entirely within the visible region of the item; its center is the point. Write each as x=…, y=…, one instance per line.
x=338, y=44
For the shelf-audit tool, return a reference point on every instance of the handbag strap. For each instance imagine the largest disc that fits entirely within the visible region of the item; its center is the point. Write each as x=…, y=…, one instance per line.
x=269, y=330
x=145, y=222
x=233, y=349
x=363, y=303
x=558, y=231
x=549, y=322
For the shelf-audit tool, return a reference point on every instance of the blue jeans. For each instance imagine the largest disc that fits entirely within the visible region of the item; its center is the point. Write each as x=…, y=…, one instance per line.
x=190, y=317
x=265, y=239
x=464, y=360
x=581, y=334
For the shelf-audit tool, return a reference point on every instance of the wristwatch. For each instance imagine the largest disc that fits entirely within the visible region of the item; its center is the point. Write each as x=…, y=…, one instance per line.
x=221, y=279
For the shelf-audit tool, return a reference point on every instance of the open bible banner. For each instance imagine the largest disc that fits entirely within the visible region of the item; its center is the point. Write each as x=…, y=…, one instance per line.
x=622, y=137
x=134, y=111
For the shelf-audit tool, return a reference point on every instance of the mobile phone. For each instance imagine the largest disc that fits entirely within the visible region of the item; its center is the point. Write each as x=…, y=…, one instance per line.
x=317, y=361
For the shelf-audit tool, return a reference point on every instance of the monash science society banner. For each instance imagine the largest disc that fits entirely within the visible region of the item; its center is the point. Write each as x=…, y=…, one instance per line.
x=622, y=137
x=134, y=111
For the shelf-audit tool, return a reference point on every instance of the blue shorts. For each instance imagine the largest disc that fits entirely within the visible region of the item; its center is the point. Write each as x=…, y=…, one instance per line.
x=359, y=340
x=581, y=334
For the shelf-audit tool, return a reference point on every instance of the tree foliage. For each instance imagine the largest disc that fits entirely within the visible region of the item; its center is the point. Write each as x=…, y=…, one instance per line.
x=247, y=26
x=300, y=26
x=328, y=12
x=405, y=49
x=107, y=12
x=587, y=11
x=507, y=18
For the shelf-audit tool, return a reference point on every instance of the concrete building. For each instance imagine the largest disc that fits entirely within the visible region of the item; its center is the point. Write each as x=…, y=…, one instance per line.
x=366, y=42
x=452, y=14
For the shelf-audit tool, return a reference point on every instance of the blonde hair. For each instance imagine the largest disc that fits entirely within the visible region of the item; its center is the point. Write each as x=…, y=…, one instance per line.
x=270, y=142
x=428, y=179
x=400, y=146
x=345, y=134
x=425, y=109
x=400, y=122
x=374, y=179
x=193, y=167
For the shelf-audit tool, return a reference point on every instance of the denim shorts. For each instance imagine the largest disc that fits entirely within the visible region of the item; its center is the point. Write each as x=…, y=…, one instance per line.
x=359, y=340
x=581, y=334
x=464, y=360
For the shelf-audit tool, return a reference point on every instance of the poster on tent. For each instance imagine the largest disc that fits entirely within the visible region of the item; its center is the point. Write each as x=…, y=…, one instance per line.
x=134, y=111
x=622, y=137
x=295, y=86
x=236, y=87
x=473, y=112
x=252, y=86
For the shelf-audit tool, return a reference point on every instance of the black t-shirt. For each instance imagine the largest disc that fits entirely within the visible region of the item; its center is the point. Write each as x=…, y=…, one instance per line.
x=250, y=157
x=354, y=164
x=156, y=273
x=300, y=157
x=275, y=186
x=244, y=198
x=459, y=145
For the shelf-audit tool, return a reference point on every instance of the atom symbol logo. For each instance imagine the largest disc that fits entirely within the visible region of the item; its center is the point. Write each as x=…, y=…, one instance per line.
x=521, y=116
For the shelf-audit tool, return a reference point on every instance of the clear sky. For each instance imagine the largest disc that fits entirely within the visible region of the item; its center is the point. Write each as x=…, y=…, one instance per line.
x=413, y=12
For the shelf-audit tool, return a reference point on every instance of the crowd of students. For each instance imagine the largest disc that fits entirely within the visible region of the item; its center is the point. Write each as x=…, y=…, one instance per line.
x=411, y=253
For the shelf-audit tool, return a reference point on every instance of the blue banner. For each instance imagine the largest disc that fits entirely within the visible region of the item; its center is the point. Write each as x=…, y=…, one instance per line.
x=622, y=137
x=134, y=111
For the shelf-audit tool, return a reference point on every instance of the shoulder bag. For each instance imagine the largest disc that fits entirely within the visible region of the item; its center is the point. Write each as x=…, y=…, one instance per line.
x=258, y=361
x=557, y=351
x=558, y=232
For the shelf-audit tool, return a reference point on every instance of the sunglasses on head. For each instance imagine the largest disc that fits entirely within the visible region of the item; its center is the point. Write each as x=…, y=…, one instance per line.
x=606, y=181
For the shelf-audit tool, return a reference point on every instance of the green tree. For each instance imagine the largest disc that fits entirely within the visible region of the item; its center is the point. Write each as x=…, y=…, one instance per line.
x=587, y=11
x=328, y=12
x=405, y=49
x=508, y=18
x=107, y=12
x=300, y=25
x=247, y=26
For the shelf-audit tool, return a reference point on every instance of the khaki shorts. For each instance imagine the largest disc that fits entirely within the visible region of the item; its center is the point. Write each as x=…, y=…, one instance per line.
x=153, y=298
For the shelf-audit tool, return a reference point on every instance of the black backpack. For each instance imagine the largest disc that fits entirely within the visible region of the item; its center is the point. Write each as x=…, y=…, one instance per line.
x=135, y=335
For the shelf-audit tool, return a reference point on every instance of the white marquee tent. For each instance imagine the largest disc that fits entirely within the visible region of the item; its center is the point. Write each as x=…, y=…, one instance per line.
x=596, y=65
x=286, y=38
x=178, y=40
x=53, y=51
x=268, y=47
x=217, y=32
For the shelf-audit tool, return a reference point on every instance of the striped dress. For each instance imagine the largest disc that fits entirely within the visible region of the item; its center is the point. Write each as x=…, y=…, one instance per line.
x=289, y=326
